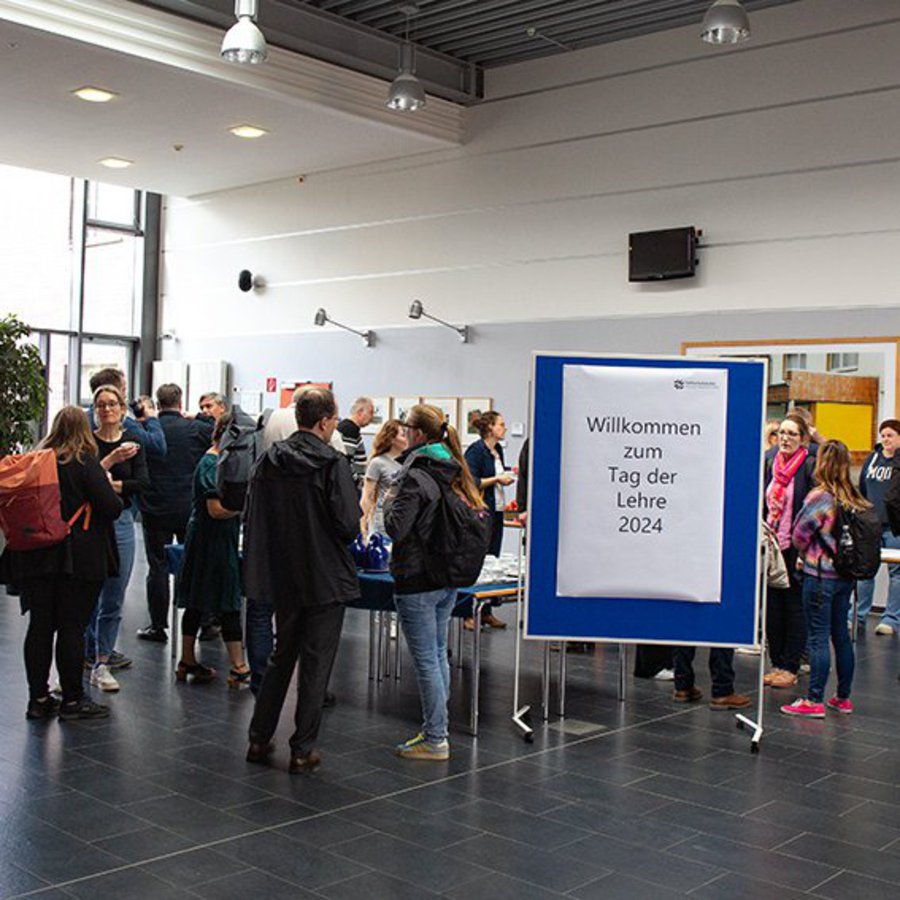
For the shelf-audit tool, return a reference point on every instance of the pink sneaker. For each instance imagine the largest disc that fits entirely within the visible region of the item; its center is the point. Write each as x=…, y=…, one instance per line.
x=841, y=706
x=804, y=708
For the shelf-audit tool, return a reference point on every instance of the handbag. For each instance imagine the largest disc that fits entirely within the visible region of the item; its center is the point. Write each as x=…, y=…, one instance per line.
x=776, y=568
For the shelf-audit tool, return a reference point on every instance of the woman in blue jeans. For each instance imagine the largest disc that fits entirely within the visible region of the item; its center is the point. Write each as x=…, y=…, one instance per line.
x=424, y=605
x=826, y=595
x=126, y=464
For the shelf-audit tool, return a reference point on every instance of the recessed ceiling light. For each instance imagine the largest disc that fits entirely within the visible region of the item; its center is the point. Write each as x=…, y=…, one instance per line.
x=94, y=94
x=247, y=131
x=115, y=162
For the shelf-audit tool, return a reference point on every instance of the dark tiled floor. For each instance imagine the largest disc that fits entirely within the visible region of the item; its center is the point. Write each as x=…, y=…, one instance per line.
x=654, y=801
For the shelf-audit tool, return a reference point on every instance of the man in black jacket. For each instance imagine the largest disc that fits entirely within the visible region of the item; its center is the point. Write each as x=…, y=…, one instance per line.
x=302, y=512
x=166, y=507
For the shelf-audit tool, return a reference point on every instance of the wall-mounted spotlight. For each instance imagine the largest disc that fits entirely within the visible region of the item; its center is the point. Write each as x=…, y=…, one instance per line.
x=247, y=281
x=725, y=22
x=416, y=311
x=244, y=42
x=322, y=317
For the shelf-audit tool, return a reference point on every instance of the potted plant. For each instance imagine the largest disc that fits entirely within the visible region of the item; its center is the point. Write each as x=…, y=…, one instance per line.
x=23, y=386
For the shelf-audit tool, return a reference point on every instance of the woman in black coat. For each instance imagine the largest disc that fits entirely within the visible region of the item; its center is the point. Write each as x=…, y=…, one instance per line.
x=789, y=478
x=60, y=584
x=485, y=461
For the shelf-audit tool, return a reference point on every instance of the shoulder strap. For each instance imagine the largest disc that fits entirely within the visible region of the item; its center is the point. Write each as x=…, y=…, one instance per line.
x=86, y=509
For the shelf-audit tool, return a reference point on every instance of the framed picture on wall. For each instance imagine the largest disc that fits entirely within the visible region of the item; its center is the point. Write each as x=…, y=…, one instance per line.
x=448, y=405
x=381, y=415
x=470, y=409
x=400, y=407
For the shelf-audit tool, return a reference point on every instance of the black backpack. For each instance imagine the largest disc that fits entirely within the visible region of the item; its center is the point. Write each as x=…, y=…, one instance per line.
x=858, y=536
x=459, y=540
x=239, y=447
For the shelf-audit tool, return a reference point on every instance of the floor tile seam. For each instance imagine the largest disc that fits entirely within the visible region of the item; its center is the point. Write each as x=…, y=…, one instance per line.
x=822, y=884
x=248, y=868
x=872, y=781
x=450, y=778
x=713, y=880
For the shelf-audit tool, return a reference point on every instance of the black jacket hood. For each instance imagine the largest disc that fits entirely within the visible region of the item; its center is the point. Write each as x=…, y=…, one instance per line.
x=301, y=454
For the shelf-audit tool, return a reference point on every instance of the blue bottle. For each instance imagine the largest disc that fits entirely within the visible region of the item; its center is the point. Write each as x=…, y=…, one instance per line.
x=376, y=555
x=359, y=553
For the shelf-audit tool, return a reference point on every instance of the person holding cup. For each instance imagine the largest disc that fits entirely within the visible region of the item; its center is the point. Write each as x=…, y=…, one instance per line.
x=126, y=467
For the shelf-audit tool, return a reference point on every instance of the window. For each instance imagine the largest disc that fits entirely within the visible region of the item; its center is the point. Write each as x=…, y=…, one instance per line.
x=113, y=267
x=36, y=249
x=110, y=204
x=96, y=355
x=792, y=362
x=842, y=362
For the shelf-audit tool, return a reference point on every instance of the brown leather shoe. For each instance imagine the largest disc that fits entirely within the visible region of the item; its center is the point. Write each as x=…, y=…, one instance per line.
x=259, y=753
x=492, y=621
x=732, y=701
x=691, y=695
x=783, y=679
x=308, y=763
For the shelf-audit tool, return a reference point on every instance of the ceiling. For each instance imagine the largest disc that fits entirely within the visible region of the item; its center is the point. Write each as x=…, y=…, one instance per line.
x=320, y=95
x=455, y=40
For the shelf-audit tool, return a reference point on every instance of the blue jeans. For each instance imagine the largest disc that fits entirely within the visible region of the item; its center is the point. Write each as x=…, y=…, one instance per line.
x=865, y=590
x=827, y=604
x=721, y=669
x=259, y=638
x=103, y=629
x=425, y=618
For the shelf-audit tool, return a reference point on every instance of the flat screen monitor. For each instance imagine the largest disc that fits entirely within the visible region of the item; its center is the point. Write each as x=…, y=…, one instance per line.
x=660, y=255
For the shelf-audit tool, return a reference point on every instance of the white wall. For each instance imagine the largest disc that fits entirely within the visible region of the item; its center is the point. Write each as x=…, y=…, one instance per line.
x=785, y=151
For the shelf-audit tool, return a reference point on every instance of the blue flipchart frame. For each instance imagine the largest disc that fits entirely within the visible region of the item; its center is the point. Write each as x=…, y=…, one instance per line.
x=734, y=621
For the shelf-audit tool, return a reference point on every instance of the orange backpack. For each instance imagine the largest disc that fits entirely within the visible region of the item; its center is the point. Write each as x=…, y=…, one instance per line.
x=30, y=506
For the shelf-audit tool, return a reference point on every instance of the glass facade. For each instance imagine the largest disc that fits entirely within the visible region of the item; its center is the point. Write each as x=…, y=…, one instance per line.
x=72, y=255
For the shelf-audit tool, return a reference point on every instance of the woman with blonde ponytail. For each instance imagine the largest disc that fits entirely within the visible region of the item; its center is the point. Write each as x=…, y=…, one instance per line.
x=433, y=463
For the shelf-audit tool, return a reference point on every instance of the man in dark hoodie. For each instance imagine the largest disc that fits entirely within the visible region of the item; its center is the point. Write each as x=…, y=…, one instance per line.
x=302, y=513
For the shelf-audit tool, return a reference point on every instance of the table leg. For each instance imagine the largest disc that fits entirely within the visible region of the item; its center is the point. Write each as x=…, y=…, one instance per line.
x=477, y=606
x=545, y=683
x=562, y=679
x=623, y=671
x=372, y=649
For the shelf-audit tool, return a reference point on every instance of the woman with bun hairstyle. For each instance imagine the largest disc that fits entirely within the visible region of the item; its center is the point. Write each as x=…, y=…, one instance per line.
x=826, y=595
x=60, y=583
x=485, y=459
x=129, y=476
x=434, y=459
x=789, y=478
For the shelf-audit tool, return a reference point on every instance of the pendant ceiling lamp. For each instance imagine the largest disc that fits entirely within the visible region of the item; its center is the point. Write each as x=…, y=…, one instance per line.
x=244, y=42
x=725, y=22
x=406, y=93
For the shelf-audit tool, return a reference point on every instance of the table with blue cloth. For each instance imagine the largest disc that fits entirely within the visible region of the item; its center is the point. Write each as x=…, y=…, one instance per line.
x=377, y=596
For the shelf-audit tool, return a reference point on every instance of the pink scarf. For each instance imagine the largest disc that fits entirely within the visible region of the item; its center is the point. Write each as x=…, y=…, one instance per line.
x=783, y=472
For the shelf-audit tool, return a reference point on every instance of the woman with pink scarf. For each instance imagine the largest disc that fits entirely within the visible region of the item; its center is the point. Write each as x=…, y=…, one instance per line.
x=789, y=478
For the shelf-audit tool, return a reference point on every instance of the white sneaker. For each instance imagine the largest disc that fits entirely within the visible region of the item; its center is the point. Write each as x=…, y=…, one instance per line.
x=665, y=675
x=102, y=678
x=884, y=628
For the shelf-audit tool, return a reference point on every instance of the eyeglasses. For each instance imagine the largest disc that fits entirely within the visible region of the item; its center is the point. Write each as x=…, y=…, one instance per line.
x=113, y=404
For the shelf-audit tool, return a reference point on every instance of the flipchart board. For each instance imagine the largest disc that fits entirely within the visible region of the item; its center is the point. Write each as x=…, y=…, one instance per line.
x=645, y=499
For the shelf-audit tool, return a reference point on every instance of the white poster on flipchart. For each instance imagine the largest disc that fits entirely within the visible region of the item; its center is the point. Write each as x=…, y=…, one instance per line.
x=642, y=482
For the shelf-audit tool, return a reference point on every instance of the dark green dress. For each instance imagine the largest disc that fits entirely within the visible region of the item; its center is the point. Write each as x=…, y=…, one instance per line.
x=210, y=577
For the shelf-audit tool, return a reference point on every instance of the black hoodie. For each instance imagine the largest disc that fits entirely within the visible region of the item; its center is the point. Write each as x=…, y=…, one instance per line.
x=302, y=512
x=409, y=513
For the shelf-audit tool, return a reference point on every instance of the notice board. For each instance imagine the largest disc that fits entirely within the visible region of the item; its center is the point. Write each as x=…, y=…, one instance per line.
x=645, y=499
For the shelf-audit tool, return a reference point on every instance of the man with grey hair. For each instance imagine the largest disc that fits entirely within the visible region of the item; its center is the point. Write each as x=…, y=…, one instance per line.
x=213, y=406
x=301, y=514
x=361, y=414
